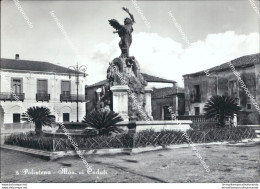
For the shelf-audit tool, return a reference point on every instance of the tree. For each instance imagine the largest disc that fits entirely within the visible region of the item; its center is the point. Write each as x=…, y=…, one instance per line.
x=221, y=107
x=40, y=116
x=103, y=121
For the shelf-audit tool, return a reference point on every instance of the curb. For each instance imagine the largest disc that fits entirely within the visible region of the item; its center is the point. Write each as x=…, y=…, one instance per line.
x=55, y=155
x=36, y=153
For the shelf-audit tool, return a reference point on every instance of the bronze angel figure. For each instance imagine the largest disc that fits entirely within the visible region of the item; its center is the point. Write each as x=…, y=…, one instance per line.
x=124, y=32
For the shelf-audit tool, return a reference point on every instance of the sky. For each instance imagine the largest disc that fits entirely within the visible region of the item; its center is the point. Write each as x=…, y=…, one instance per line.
x=218, y=31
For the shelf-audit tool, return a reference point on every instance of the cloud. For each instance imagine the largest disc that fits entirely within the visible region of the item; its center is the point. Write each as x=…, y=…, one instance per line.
x=166, y=58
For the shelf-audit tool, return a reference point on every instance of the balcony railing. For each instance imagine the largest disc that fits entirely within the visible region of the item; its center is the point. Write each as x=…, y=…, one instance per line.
x=43, y=97
x=9, y=96
x=72, y=98
x=197, y=118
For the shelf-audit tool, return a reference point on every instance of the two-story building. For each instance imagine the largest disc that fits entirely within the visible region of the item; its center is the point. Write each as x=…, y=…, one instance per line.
x=25, y=83
x=221, y=80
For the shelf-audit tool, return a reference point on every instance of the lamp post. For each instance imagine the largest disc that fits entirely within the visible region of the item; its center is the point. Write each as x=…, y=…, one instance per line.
x=176, y=100
x=78, y=70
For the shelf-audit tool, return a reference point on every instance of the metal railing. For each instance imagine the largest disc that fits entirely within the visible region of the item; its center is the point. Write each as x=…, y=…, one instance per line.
x=196, y=118
x=9, y=96
x=43, y=97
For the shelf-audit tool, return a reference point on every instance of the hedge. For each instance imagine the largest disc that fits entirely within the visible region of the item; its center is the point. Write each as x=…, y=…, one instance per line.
x=131, y=140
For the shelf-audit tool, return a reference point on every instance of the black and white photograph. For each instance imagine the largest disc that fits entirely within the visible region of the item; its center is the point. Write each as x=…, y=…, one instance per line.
x=130, y=91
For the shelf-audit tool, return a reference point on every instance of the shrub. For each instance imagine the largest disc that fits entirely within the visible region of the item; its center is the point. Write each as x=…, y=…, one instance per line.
x=30, y=140
x=221, y=107
x=40, y=116
x=131, y=140
x=104, y=121
x=229, y=134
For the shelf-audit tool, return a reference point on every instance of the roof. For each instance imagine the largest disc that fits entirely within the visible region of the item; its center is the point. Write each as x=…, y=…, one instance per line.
x=100, y=83
x=28, y=65
x=150, y=78
x=147, y=77
x=165, y=92
x=241, y=62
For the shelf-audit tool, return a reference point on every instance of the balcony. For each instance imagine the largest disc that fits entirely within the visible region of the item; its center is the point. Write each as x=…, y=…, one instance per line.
x=43, y=97
x=72, y=98
x=9, y=96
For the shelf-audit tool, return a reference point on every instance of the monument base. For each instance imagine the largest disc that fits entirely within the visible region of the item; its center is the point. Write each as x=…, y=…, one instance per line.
x=148, y=101
x=157, y=126
x=120, y=100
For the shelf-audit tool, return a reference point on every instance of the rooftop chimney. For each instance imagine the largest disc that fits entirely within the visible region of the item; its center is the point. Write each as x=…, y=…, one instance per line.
x=16, y=56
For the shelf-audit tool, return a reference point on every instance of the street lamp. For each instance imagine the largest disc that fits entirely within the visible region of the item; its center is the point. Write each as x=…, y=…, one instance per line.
x=78, y=70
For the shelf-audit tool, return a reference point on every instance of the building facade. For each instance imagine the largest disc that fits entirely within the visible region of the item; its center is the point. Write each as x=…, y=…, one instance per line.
x=164, y=95
x=24, y=84
x=221, y=80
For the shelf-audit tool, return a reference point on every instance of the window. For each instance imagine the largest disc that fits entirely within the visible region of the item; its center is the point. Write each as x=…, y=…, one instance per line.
x=237, y=100
x=233, y=89
x=42, y=86
x=197, y=110
x=249, y=106
x=197, y=93
x=16, y=85
x=65, y=87
x=16, y=118
x=66, y=117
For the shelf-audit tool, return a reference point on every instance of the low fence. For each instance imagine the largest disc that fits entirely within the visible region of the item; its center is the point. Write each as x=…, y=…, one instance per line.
x=131, y=140
x=151, y=138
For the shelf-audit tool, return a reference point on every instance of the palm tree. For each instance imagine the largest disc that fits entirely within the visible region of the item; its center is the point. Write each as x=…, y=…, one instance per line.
x=221, y=107
x=103, y=121
x=39, y=116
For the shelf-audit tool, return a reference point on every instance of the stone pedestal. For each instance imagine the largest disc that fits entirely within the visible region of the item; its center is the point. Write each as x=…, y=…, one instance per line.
x=98, y=91
x=148, y=100
x=120, y=100
x=235, y=120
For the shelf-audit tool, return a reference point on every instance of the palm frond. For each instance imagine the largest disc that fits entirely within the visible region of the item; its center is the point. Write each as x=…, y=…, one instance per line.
x=104, y=121
x=220, y=107
x=38, y=115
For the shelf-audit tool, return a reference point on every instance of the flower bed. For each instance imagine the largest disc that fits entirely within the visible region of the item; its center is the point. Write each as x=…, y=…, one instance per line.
x=131, y=140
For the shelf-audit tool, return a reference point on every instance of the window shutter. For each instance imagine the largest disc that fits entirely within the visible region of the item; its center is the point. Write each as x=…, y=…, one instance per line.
x=42, y=86
x=65, y=87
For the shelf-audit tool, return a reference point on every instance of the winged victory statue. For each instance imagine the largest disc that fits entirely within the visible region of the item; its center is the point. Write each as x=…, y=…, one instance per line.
x=124, y=32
